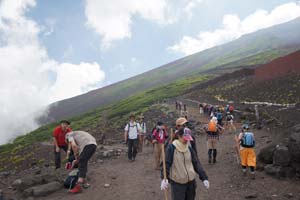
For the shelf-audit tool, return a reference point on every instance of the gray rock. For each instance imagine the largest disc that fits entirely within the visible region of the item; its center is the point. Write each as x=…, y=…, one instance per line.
x=266, y=154
x=272, y=170
x=294, y=146
x=251, y=196
x=5, y=174
x=281, y=156
x=1, y=195
x=46, y=189
x=296, y=128
x=280, y=172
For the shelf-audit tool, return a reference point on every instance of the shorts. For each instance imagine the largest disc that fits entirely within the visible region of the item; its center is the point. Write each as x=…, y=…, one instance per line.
x=248, y=157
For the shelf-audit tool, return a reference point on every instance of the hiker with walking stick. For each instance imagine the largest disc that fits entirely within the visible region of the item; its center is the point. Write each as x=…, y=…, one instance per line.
x=182, y=166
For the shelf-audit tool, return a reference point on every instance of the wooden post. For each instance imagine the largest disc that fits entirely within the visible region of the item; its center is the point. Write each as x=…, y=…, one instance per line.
x=164, y=170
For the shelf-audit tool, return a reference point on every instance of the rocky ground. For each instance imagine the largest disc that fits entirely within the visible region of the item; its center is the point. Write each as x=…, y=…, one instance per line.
x=113, y=177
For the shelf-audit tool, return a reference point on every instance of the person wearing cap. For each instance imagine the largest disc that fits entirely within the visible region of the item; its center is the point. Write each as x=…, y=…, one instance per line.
x=182, y=167
x=159, y=135
x=59, y=135
x=182, y=123
x=246, y=141
x=212, y=129
x=132, y=131
x=84, y=146
x=142, y=133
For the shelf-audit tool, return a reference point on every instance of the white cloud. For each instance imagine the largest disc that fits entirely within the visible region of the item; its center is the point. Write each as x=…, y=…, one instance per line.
x=112, y=20
x=234, y=28
x=29, y=78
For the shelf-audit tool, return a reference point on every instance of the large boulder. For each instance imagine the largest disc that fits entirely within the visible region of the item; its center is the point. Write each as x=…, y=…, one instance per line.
x=294, y=144
x=281, y=156
x=43, y=190
x=266, y=154
x=280, y=172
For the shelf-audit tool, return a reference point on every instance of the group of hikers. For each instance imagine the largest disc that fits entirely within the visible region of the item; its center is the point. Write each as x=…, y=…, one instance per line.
x=182, y=163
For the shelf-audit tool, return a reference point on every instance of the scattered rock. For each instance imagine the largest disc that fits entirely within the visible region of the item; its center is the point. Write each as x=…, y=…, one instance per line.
x=1, y=195
x=5, y=174
x=251, y=196
x=43, y=190
x=289, y=195
x=294, y=146
x=106, y=185
x=280, y=172
x=266, y=154
x=281, y=156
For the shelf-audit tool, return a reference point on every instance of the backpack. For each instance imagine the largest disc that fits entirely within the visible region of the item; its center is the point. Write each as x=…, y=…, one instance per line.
x=71, y=180
x=219, y=116
x=136, y=125
x=212, y=126
x=231, y=108
x=248, y=140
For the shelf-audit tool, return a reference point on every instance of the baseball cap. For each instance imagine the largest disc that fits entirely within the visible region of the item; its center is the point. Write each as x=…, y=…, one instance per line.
x=181, y=121
x=185, y=135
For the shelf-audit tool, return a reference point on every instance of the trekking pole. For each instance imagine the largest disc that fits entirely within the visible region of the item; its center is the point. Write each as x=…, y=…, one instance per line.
x=165, y=171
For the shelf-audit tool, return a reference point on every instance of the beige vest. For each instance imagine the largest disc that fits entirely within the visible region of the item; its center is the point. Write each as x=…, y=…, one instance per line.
x=182, y=170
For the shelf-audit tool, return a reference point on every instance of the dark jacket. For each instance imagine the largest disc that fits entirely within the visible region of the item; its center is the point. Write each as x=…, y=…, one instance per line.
x=196, y=163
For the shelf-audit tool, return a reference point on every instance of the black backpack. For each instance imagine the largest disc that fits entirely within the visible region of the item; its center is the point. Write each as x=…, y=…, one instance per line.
x=71, y=180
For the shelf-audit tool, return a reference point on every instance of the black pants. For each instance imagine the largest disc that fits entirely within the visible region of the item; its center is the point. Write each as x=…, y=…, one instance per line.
x=84, y=157
x=183, y=191
x=132, y=148
x=57, y=156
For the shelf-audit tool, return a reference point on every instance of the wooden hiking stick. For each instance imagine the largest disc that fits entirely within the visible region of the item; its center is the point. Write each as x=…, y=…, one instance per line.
x=165, y=170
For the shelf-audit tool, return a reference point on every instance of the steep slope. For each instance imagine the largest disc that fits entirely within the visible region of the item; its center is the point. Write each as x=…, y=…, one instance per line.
x=279, y=67
x=252, y=49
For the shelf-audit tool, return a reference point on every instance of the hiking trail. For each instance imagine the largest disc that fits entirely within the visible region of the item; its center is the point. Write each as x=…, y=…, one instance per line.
x=140, y=181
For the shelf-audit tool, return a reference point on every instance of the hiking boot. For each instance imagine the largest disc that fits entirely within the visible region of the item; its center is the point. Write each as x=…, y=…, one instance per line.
x=86, y=185
x=209, y=160
x=133, y=159
x=76, y=189
x=252, y=175
x=244, y=172
x=214, y=160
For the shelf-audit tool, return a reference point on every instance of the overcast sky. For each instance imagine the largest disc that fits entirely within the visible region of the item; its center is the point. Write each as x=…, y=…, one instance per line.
x=55, y=49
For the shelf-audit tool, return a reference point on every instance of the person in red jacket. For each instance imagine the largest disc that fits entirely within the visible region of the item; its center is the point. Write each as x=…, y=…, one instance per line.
x=159, y=135
x=59, y=141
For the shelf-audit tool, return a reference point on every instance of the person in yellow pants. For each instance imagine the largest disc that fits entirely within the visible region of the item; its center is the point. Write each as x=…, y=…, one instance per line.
x=247, y=153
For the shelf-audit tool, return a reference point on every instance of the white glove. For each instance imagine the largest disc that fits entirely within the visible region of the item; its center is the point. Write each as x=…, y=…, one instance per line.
x=164, y=184
x=206, y=184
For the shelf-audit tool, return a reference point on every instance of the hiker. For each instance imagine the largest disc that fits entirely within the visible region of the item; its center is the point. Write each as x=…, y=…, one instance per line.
x=84, y=146
x=182, y=123
x=182, y=167
x=201, y=108
x=132, y=131
x=213, y=130
x=229, y=123
x=159, y=135
x=142, y=134
x=247, y=143
x=59, y=135
x=219, y=117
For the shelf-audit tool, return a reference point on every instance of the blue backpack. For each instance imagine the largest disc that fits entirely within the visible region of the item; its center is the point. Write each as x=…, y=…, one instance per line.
x=248, y=140
x=219, y=116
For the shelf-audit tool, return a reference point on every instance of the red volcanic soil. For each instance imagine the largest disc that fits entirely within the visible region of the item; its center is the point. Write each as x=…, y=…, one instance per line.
x=279, y=67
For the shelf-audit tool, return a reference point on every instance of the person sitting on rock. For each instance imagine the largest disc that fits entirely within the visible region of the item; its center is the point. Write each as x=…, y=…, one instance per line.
x=84, y=146
x=247, y=143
